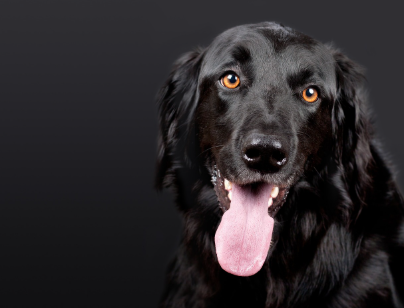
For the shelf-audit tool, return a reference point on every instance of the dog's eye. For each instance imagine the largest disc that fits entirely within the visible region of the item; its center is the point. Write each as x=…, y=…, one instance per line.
x=310, y=95
x=230, y=81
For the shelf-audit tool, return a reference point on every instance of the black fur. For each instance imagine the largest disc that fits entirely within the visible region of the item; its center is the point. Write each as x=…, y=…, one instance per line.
x=339, y=237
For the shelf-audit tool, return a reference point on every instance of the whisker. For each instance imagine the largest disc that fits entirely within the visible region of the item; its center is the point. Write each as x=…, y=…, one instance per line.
x=217, y=146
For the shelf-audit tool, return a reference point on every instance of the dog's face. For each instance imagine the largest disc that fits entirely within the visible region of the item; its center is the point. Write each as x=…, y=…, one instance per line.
x=267, y=104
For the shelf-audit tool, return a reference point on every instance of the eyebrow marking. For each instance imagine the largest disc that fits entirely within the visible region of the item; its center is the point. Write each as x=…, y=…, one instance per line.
x=300, y=78
x=241, y=54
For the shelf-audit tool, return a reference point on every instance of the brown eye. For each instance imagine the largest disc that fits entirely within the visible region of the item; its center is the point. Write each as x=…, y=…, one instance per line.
x=310, y=95
x=230, y=81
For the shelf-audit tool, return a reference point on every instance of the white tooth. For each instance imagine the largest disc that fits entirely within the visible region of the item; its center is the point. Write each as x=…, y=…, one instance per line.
x=227, y=184
x=275, y=192
x=270, y=202
x=229, y=195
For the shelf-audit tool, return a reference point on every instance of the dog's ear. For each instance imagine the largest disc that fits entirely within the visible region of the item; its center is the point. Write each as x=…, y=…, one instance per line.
x=177, y=102
x=351, y=126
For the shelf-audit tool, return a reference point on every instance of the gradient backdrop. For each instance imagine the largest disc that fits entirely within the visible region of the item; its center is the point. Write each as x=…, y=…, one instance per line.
x=80, y=223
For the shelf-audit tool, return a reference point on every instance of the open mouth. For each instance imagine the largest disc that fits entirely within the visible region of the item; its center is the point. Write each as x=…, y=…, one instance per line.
x=244, y=235
x=224, y=190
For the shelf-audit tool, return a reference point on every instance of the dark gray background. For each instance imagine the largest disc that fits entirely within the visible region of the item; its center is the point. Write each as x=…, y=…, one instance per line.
x=80, y=223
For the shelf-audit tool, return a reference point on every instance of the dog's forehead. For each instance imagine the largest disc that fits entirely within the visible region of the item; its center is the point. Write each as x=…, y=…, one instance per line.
x=269, y=46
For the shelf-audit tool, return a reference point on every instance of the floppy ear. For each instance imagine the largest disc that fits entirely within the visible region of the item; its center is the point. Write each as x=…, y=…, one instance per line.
x=177, y=102
x=351, y=128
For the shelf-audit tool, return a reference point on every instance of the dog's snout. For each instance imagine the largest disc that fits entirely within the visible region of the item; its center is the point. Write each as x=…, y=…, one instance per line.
x=264, y=153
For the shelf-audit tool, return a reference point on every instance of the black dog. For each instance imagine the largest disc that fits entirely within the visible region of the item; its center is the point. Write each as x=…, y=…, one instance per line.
x=265, y=138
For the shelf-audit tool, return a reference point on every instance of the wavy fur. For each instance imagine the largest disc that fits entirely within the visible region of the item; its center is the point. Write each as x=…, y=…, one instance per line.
x=338, y=240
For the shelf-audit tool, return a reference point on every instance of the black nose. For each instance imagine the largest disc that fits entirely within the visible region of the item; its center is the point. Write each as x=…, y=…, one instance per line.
x=264, y=153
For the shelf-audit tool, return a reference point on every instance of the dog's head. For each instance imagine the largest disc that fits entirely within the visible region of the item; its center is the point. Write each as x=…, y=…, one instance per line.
x=258, y=110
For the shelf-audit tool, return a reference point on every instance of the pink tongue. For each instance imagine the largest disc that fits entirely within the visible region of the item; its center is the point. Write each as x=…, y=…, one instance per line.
x=244, y=234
